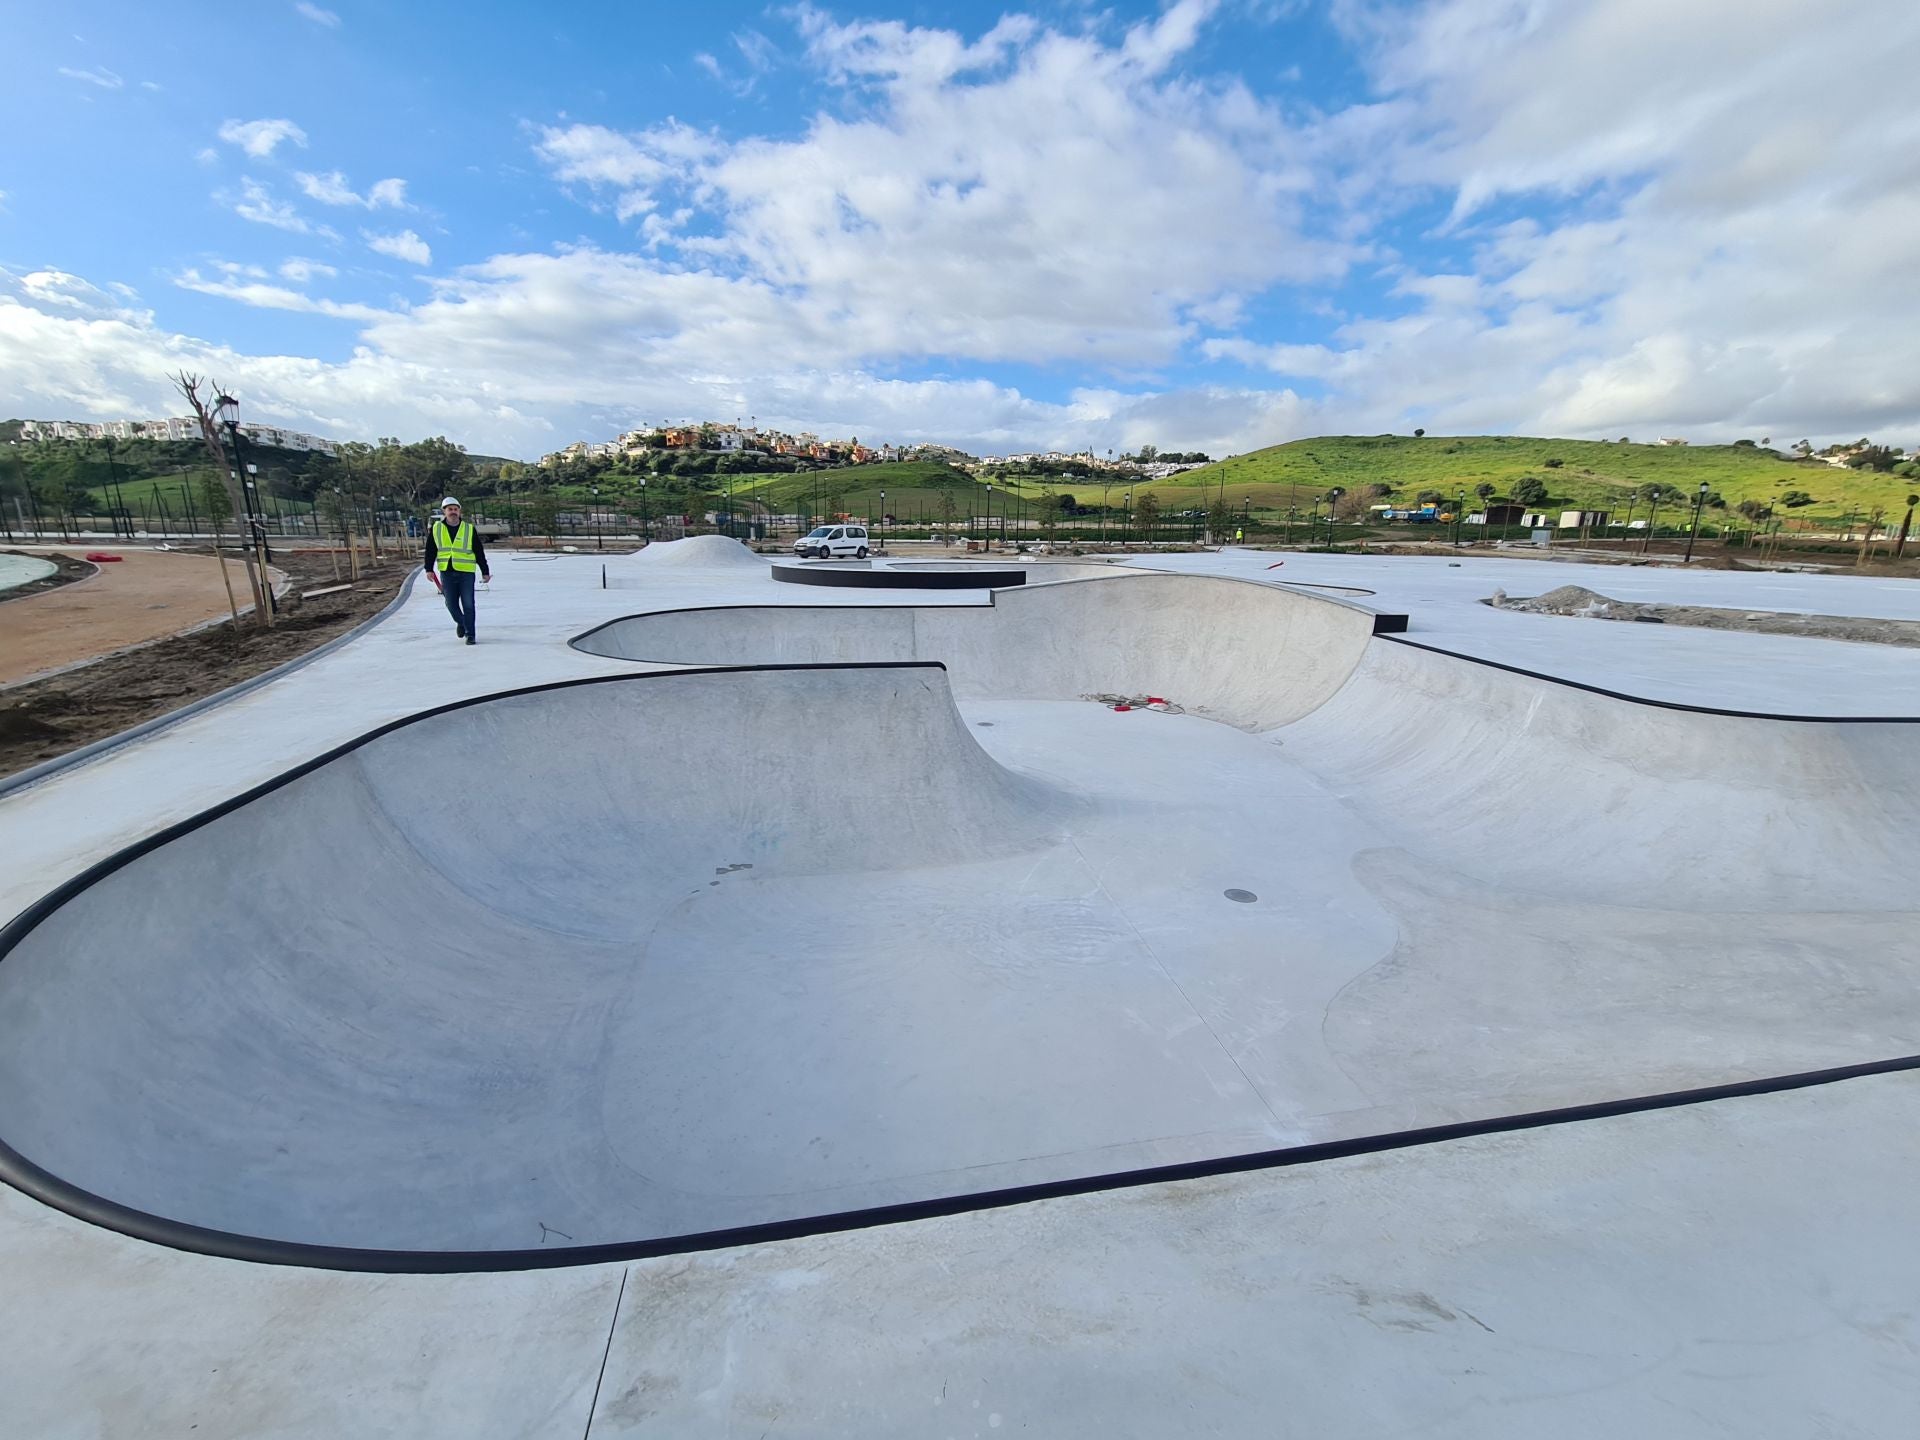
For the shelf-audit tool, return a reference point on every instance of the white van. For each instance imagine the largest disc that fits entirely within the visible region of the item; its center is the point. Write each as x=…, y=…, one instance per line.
x=831, y=541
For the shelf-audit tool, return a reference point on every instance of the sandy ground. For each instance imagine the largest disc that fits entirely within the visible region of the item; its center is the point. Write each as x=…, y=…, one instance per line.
x=147, y=595
x=44, y=718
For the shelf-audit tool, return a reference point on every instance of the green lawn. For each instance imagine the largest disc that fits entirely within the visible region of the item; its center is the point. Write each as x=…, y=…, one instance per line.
x=1591, y=474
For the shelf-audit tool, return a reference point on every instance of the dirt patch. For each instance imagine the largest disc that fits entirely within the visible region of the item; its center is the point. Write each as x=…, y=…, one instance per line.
x=47, y=718
x=67, y=569
x=1585, y=604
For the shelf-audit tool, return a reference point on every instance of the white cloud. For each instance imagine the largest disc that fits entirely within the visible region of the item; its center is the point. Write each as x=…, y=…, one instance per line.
x=257, y=203
x=207, y=155
x=274, y=297
x=318, y=16
x=150, y=85
x=99, y=75
x=333, y=189
x=300, y=270
x=1717, y=247
x=405, y=246
x=260, y=138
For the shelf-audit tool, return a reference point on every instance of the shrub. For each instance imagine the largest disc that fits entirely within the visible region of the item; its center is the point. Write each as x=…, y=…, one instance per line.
x=1794, y=499
x=1530, y=490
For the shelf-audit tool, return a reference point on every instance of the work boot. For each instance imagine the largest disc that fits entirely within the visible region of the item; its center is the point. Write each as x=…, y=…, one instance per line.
x=471, y=640
x=459, y=632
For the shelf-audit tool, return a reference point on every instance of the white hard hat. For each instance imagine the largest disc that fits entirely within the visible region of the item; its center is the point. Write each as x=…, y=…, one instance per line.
x=448, y=501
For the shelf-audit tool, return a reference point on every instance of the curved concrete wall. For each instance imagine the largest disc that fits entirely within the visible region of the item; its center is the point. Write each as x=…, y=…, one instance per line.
x=370, y=1006
x=1530, y=785
x=1251, y=655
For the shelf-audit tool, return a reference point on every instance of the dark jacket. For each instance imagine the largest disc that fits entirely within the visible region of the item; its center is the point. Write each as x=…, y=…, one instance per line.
x=479, y=551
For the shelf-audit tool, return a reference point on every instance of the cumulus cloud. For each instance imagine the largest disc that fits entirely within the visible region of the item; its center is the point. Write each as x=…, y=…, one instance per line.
x=1713, y=246
x=332, y=189
x=260, y=138
x=405, y=246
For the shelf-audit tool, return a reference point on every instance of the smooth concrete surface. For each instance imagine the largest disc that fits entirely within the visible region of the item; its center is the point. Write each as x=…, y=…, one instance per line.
x=1737, y=1268
x=1249, y=655
x=615, y=962
x=1772, y=674
x=1742, y=1271
x=17, y=570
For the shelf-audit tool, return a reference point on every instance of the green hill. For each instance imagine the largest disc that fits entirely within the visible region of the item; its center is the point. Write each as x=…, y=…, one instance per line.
x=1593, y=474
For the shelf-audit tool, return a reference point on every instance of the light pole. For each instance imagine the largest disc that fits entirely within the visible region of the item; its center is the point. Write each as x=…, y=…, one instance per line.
x=883, y=519
x=228, y=410
x=1699, y=500
x=1105, y=486
x=598, y=542
x=1333, y=503
x=1653, y=517
x=1126, y=535
x=646, y=518
x=1459, y=504
x=987, y=549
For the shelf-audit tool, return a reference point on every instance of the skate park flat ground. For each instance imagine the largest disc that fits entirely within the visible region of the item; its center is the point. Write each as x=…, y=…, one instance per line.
x=1004, y=955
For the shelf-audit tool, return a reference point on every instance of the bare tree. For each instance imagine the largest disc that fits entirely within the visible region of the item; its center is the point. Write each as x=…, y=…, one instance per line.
x=189, y=387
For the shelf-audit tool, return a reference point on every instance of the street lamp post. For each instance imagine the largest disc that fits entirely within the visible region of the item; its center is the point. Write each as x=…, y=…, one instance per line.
x=646, y=517
x=1459, y=504
x=1653, y=518
x=987, y=548
x=599, y=542
x=883, y=519
x=1699, y=501
x=1126, y=535
x=1333, y=503
x=228, y=410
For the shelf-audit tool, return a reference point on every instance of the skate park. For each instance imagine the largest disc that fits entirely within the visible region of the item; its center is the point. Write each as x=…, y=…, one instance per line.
x=797, y=954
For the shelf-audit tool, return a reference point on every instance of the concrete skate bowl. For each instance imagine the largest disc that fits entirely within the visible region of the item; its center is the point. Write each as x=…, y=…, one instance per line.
x=1251, y=655
x=660, y=962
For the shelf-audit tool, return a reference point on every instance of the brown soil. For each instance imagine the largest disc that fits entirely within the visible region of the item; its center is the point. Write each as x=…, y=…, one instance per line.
x=67, y=569
x=1578, y=601
x=46, y=718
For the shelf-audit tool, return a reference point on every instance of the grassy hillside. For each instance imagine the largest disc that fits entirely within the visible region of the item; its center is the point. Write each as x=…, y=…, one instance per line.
x=1591, y=473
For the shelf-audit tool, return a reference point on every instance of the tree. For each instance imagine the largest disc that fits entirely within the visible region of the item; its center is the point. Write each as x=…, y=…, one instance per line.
x=1147, y=454
x=1873, y=457
x=1906, y=527
x=1484, y=490
x=1147, y=509
x=188, y=385
x=1531, y=490
x=1794, y=499
x=1353, y=507
x=1755, y=510
x=1419, y=434
x=949, y=512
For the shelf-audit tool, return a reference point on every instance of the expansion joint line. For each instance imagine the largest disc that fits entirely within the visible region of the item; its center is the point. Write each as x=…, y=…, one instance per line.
x=612, y=1325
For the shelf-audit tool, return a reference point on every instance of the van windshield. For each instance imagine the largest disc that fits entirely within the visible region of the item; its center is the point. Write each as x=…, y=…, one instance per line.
x=819, y=532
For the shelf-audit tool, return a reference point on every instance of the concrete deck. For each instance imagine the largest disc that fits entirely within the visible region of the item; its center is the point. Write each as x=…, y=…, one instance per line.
x=1008, y=959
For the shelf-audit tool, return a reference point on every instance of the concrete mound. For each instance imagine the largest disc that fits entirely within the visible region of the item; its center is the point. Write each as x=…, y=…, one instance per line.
x=700, y=552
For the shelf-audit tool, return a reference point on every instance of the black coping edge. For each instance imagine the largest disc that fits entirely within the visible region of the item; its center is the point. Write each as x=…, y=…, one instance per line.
x=34, y=774
x=880, y=579
x=49, y=1189
x=1647, y=700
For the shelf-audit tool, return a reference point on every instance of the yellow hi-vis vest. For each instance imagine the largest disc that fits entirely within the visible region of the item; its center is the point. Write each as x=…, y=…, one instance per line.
x=454, y=551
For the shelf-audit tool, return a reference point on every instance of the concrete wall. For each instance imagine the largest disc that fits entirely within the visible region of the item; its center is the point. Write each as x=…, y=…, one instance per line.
x=1250, y=655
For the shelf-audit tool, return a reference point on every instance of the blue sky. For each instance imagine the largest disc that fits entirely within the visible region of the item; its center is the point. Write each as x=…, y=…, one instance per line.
x=1213, y=224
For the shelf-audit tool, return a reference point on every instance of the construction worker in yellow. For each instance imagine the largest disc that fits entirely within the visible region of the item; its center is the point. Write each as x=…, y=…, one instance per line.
x=455, y=557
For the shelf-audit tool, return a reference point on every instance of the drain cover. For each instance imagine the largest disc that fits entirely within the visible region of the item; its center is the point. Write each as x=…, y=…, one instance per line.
x=1245, y=897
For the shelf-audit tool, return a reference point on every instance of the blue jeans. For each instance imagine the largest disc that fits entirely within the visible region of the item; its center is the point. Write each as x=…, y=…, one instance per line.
x=456, y=588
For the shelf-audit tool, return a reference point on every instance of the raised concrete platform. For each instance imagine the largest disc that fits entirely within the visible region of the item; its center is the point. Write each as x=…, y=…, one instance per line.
x=1011, y=958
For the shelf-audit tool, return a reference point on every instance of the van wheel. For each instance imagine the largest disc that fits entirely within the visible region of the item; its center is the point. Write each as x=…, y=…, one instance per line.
x=861, y=552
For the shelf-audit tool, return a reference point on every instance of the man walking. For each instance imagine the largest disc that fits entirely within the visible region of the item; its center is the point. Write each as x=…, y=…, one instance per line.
x=455, y=556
